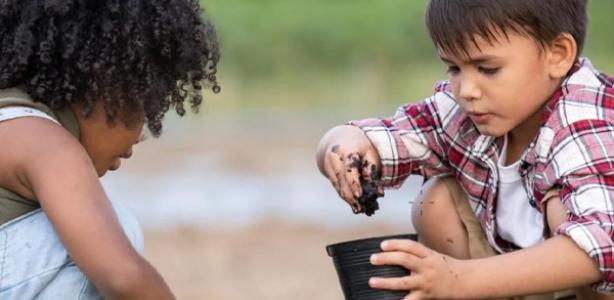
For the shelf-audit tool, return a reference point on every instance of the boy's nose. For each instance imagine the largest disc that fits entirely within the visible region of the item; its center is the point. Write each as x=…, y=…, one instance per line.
x=468, y=89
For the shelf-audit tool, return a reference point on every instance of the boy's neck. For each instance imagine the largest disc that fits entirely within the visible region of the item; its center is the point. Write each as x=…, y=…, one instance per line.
x=519, y=138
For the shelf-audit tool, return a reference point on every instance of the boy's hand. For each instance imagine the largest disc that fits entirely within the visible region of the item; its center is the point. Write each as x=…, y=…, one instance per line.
x=433, y=275
x=346, y=155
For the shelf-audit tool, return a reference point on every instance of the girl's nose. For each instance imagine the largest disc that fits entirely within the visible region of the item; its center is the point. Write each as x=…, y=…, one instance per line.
x=127, y=154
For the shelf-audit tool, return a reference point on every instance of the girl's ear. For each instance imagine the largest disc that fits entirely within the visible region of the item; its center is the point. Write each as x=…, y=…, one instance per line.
x=561, y=53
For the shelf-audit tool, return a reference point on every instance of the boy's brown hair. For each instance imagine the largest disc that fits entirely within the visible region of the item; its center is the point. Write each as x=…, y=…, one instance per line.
x=454, y=23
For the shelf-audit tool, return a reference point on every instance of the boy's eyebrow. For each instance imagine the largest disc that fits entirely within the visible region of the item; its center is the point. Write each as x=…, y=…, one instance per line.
x=471, y=60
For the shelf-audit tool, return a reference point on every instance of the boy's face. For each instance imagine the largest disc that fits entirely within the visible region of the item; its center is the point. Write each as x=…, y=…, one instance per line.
x=502, y=85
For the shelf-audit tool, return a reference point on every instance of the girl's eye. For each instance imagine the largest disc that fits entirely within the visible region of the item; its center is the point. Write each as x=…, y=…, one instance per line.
x=453, y=70
x=488, y=71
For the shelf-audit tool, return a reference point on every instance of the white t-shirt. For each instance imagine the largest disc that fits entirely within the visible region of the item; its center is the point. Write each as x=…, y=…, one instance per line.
x=517, y=221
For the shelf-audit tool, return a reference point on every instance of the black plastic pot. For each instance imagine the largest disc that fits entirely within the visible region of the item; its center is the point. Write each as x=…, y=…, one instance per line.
x=354, y=269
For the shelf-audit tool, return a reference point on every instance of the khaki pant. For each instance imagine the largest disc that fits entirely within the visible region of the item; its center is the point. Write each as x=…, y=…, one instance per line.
x=478, y=245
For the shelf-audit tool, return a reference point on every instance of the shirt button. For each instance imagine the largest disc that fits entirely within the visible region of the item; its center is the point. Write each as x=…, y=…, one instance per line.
x=532, y=203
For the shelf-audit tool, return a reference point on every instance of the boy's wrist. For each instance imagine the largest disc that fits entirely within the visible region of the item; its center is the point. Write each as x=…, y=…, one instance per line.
x=475, y=280
x=461, y=289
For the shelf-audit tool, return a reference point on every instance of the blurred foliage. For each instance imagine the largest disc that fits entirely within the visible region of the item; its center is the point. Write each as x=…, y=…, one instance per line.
x=265, y=35
x=320, y=53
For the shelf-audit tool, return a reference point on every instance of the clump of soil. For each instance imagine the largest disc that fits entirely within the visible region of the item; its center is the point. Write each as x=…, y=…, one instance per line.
x=368, y=199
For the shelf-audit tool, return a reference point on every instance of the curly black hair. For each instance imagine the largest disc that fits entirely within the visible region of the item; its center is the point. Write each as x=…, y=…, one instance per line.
x=143, y=56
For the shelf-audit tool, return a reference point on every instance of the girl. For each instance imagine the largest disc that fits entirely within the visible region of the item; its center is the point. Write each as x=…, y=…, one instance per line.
x=78, y=81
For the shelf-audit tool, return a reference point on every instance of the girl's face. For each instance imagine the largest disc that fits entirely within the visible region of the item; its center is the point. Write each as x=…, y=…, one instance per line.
x=105, y=144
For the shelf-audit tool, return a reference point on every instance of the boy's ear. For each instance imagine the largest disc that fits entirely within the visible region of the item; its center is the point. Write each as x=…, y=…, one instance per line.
x=562, y=53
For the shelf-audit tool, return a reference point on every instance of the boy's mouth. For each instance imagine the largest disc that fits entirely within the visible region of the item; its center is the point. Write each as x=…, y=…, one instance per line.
x=479, y=118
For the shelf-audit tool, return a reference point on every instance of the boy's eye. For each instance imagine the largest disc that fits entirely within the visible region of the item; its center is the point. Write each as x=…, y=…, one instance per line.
x=488, y=71
x=453, y=70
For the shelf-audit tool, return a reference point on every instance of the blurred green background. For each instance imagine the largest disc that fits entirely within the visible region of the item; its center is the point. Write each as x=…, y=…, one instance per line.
x=343, y=54
x=232, y=197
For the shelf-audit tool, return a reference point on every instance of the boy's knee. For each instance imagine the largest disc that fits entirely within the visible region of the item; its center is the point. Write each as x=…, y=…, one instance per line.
x=434, y=203
x=437, y=218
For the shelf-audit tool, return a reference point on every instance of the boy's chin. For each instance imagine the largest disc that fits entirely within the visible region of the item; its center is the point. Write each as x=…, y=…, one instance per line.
x=489, y=131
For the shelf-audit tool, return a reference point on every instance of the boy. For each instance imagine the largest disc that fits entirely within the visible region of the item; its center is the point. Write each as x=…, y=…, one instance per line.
x=518, y=148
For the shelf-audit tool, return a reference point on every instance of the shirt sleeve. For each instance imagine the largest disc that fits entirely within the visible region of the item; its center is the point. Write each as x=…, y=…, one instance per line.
x=410, y=142
x=583, y=165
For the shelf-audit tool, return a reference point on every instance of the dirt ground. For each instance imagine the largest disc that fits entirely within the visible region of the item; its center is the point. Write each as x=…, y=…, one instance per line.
x=268, y=261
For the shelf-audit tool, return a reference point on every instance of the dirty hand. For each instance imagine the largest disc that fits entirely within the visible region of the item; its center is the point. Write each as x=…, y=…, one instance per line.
x=433, y=275
x=346, y=155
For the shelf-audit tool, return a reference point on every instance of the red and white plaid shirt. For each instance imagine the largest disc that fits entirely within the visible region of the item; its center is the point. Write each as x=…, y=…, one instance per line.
x=573, y=151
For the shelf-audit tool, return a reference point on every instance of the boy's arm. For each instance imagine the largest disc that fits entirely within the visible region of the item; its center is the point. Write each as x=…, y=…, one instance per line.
x=55, y=167
x=581, y=163
x=412, y=141
x=553, y=265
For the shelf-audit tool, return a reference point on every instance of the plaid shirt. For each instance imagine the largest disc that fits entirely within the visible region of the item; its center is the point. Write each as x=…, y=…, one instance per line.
x=573, y=151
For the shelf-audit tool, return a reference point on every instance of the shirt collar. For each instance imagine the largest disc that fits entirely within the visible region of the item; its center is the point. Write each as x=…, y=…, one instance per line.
x=582, y=74
x=484, y=143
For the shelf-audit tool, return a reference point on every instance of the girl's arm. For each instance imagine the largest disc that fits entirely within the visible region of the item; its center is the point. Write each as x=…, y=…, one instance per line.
x=52, y=165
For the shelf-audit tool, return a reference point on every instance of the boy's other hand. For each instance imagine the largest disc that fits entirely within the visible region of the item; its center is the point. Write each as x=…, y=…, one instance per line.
x=345, y=156
x=433, y=275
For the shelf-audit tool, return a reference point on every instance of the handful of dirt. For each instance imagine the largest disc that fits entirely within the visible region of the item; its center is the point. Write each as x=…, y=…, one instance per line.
x=368, y=199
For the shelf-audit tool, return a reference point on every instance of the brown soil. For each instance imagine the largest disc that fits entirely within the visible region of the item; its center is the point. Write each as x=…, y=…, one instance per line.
x=271, y=261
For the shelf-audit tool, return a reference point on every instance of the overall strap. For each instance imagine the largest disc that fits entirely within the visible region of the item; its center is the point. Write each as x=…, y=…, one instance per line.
x=14, y=112
x=14, y=103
